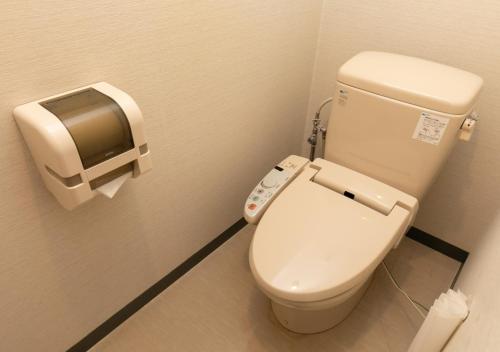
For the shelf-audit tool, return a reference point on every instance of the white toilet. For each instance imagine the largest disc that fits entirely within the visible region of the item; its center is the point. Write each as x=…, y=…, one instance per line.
x=326, y=225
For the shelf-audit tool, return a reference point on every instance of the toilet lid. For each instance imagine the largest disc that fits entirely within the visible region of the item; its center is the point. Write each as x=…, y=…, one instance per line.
x=314, y=243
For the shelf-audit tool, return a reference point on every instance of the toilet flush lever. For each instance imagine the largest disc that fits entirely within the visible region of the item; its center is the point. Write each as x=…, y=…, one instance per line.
x=468, y=126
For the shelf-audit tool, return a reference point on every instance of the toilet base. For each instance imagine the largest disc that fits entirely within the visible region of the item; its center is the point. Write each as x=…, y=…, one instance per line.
x=311, y=321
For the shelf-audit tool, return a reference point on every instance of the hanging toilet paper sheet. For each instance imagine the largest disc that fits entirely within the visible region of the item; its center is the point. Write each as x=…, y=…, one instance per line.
x=110, y=188
x=445, y=315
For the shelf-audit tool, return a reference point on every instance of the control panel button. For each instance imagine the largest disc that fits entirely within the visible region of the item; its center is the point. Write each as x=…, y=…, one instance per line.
x=269, y=181
x=271, y=185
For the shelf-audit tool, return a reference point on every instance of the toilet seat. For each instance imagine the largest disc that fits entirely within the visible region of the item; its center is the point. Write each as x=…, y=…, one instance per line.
x=314, y=243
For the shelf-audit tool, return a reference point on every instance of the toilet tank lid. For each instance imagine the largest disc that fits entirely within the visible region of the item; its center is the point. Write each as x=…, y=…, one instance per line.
x=412, y=80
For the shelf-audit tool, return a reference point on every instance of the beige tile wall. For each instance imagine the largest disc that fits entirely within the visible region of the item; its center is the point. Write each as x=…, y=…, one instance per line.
x=466, y=34
x=223, y=86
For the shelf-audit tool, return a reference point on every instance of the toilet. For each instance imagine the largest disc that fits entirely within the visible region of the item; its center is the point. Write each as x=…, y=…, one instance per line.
x=326, y=225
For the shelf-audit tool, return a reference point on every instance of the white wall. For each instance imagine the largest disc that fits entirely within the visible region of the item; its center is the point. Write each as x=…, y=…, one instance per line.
x=223, y=86
x=480, y=281
x=466, y=34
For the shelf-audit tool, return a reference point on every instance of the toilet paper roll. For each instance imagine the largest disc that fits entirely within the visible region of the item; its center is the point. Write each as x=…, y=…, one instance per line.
x=109, y=189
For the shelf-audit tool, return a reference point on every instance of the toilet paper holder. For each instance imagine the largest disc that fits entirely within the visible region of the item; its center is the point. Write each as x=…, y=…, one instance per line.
x=85, y=142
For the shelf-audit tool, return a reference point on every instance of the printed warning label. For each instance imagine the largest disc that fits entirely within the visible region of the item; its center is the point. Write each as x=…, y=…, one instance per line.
x=430, y=128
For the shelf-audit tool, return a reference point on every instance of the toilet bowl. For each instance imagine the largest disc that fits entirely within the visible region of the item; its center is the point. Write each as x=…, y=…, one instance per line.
x=315, y=317
x=315, y=250
x=325, y=226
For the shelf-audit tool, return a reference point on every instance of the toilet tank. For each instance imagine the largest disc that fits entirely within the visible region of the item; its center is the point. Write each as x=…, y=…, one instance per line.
x=396, y=118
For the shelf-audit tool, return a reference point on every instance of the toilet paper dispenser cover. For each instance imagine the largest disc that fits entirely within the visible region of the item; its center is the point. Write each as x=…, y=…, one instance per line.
x=85, y=142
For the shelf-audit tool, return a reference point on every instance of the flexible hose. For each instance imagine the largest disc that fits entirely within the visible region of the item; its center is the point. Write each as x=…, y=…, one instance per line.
x=326, y=101
x=316, y=128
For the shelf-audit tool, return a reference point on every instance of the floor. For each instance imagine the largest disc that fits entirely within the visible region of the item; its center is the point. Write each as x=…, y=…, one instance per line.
x=217, y=307
x=422, y=272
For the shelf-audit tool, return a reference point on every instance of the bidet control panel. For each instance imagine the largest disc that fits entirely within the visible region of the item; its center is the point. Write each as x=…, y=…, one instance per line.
x=271, y=186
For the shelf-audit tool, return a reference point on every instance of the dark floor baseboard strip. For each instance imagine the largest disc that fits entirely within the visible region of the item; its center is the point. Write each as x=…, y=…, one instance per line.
x=455, y=279
x=123, y=314
x=438, y=244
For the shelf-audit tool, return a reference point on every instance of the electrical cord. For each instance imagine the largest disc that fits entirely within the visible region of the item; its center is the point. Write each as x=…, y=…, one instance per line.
x=414, y=303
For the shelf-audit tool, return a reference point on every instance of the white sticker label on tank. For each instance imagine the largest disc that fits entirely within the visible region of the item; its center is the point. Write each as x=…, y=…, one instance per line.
x=430, y=128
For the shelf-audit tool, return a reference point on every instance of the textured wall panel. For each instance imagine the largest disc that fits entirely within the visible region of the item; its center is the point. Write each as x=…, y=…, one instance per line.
x=223, y=86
